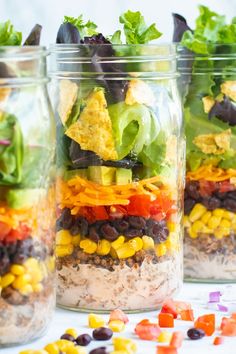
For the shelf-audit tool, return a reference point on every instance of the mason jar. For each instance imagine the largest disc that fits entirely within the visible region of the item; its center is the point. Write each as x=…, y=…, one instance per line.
x=210, y=193
x=27, y=184
x=120, y=162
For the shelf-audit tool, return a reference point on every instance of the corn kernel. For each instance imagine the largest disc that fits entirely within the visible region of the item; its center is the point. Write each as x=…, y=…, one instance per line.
x=148, y=242
x=161, y=250
x=192, y=234
x=76, y=350
x=205, y=217
x=125, y=251
x=76, y=240
x=136, y=243
x=218, y=212
x=26, y=289
x=113, y=253
x=173, y=242
x=37, y=288
x=164, y=337
x=17, y=269
x=121, y=343
x=117, y=325
x=103, y=248
x=63, y=251
x=72, y=332
x=118, y=242
x=21, y=281
x=51, y=264
x=95, y=321
x=31, y=263
x=186, y=221
x=197, y=226
x=197, y=212
x=214, y=222
x=228, y=215
x=63, y=344
x=171, y=226
x=7, y=280
x=233, y=226
x=88, y=246
x=225, y=223
x=52, y=348
x=219, y=234
x=119, y=352
x=30, y=351
x=63, y=237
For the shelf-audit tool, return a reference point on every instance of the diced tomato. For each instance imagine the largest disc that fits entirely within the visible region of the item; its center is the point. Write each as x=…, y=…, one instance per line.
x=187, y=315
x=225, y=186
x=100, y=213
x=4, y=230
x=147, y=330
x=177, y=339
x=13, y=236
x=169, y=307
x=139, y=205
x=169, y=349
x=224, y=321
x=233, y=315
x=166, y=320
x=218, y=340
x=117, y=211
x=118, y=315
x=229, y=329
x=207, y=187
x=182, y=305
x=206, y=323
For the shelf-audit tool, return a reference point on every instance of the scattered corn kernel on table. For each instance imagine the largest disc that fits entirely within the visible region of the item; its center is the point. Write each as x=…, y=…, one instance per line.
x=196, y=294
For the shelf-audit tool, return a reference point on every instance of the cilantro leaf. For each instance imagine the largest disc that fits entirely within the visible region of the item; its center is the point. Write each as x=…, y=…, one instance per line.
x=8, y=35
x=135, y=29
x=85, y=29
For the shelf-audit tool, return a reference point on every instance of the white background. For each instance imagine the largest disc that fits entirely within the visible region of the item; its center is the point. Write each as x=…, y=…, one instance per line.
x=49, y=13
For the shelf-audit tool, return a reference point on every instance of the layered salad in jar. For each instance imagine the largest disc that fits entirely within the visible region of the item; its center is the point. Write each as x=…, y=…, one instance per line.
x=26, y=206
x=208, y=64
x=118, y=241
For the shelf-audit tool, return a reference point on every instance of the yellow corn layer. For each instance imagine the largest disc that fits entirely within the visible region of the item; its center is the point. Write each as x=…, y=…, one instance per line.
x=121, y=248
x=27, y=278
x=219, y=222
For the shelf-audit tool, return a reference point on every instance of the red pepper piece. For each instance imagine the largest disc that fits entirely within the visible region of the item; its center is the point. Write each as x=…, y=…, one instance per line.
x=139, y=205
x=100, y=213
x=169, y=306
x=229, y=328
x=206, y=323
x=147, y=330
x=218, y=340
x=233, y=315
x=177, y=339
x=118, y=315
x=166, y=320
x=187, y=315
x=166, y=350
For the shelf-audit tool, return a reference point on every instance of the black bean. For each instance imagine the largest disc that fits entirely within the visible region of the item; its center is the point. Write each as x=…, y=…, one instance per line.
x=137, y=222
x=121, y=225
x=93, y=234
x=211, y=203
x=188, y=205
x=109, y=232
x=68, y=337
x=101, y=350
x=157, y=230
x=195, y=333
x=229, y=204
x=18, y=258
x=83, y=339
x=131, y=233
x=231, y=194
x=4, y=264
x=192, y=190
x=80, y=226
x=66, y=219
x=102, y=333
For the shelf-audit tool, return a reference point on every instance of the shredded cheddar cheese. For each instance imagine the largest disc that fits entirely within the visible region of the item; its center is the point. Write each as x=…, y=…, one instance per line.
x=211, y=173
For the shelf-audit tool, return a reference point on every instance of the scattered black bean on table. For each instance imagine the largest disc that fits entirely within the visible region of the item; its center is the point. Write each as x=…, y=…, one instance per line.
x=102, y=333
x=83, y=339
x=195, y=333
x=101, y=350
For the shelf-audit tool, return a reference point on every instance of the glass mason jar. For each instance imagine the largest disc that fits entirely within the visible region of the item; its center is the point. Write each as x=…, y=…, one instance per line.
x=27, y=220
x=120, y=155
x=210, y=193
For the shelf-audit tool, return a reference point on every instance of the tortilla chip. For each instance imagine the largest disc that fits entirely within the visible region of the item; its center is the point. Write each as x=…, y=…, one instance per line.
x=68, y=95
x=208, y=103
x=93, y=130
x=228, y=88
x=214, y=143
x=139, y=92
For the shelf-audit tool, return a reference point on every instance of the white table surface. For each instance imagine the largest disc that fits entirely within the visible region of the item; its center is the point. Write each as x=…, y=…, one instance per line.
x=194, y=293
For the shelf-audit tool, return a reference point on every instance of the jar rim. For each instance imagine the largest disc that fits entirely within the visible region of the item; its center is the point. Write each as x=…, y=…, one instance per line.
x=22, y=52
